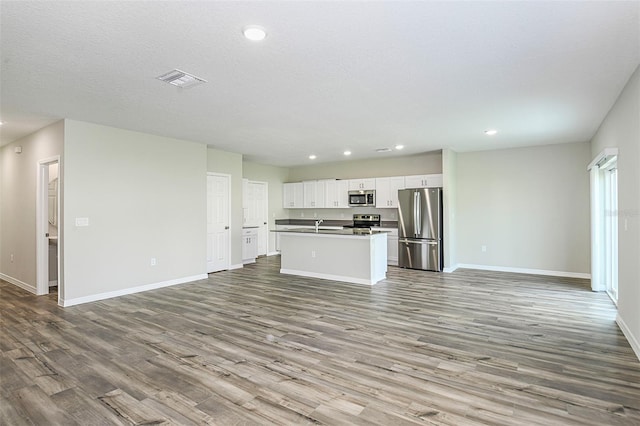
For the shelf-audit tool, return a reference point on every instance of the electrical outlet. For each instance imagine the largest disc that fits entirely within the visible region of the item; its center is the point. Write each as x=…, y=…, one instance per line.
x=313, y=253
x=484, y=248
x=11, y=257
x=301, y=214
x=154, y=262
x=315, y=214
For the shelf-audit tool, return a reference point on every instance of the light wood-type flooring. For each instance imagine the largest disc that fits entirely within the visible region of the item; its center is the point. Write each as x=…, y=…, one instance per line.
x=253, y=347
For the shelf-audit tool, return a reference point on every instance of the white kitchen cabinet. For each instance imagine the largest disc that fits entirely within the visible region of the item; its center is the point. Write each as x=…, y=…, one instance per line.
x=293, y=195
x=392, y=246
x=337, y=194
x=423, y=181
x=249, y=245
x=387, y=191
x=313, y=194
x=356, y=184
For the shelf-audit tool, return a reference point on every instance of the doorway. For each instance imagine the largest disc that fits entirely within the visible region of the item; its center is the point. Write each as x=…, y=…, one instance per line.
x=218, y=222
x=48, y=228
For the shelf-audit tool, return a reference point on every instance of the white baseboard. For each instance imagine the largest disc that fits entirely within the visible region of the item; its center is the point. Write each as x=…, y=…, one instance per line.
x=28, y=287
x=450, y=269
x=236, y=266
x=526, y=271
x=330, y=277
x=273, y=253
x=131, y=290
x=633, y=342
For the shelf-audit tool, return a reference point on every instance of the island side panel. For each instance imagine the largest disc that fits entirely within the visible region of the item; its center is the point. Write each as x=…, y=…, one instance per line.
x=379, y=256
x=336, y=257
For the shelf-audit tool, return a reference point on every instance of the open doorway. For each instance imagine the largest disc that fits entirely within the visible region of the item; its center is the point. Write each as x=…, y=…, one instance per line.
x=48, y=227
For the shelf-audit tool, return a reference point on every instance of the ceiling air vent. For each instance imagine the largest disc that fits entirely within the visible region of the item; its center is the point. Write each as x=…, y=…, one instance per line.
x=181, y=79
x=383, y=150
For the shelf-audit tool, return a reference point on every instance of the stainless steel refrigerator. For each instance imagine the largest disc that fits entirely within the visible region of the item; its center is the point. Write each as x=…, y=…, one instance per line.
x=420, y=229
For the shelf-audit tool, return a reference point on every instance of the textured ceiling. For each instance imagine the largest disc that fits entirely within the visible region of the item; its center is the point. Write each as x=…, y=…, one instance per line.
x=329, y=76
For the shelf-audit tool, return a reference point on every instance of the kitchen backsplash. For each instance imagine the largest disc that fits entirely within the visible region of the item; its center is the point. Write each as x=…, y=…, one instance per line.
x=341, y=214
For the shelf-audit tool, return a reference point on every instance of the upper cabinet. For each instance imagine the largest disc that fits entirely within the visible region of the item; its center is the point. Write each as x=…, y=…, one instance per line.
x=293, y=196
x=387, y=191
x=334, y=194
x=337, y=194
x=423, y=181
x=314, y=194
x=356, y=184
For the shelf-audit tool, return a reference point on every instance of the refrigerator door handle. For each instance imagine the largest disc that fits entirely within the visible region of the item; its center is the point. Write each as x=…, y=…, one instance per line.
x=418, y=209
x=431, y=243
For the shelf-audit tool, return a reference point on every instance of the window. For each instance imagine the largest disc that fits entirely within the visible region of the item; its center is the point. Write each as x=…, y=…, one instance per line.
x=604, y=223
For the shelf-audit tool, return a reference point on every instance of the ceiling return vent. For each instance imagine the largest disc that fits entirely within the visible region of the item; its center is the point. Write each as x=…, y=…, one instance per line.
x=181, y=79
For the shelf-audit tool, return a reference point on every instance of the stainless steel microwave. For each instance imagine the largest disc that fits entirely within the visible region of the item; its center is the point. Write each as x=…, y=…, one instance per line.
x=362, y=198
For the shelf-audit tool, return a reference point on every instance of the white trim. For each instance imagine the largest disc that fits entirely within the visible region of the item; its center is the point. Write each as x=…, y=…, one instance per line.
x=273, y=253
x=42, y=222
x=236, y=266
x=131, y=290
x=633, y=342
x=595, y=205
x=451, y=269
x=607, y=152
x=331, y=277
x=526, y=271
x=28, y=287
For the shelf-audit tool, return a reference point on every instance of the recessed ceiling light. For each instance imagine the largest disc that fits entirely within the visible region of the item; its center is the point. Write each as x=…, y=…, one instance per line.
x=399, y=147
x=1, y=123
x=312, y=157
x=383, y=150
x=347, y=153
x=490, y=132
x=254, y=33
x=181, y=79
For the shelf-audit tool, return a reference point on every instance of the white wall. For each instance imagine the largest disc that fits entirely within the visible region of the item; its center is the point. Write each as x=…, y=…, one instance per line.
x=528, y=206
x=621, y=129
x=18, y=178
x=144, y=196
x=275, y=177
x=230, y=163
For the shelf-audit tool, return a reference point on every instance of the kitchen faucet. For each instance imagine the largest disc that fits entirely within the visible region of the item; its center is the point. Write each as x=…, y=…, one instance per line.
x=318, y=222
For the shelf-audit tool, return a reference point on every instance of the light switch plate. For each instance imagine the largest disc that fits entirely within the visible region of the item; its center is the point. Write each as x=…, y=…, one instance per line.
x=82, y=221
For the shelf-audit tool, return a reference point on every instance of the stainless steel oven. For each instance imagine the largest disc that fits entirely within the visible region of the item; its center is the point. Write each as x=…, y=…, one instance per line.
x=362, y=198
x=365, y=221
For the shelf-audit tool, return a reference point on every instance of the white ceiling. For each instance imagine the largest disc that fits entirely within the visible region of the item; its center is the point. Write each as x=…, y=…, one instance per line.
x=329, y=76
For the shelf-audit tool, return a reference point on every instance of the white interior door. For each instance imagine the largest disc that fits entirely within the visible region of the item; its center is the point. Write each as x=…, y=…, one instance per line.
x=218, y=227
x=261, y=207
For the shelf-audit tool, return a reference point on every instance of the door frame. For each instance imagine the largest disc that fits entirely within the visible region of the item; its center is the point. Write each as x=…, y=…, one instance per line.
x=228, y=176
x=42, y=226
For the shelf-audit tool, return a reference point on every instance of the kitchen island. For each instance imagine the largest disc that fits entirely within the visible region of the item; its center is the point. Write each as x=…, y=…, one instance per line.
x=349, y=255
